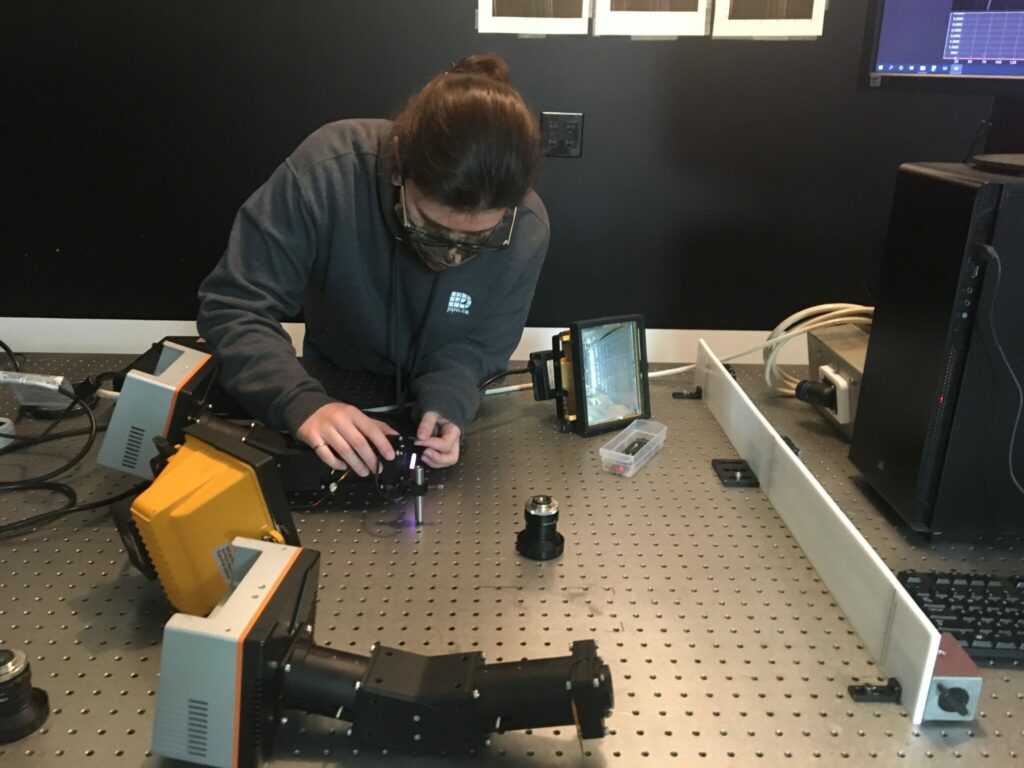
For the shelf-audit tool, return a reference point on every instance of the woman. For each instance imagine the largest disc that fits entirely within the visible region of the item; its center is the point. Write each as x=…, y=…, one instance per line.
x=412, y=247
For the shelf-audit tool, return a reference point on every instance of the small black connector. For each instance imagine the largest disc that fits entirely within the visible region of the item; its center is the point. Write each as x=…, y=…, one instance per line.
x=689, y=394
x=817, y=393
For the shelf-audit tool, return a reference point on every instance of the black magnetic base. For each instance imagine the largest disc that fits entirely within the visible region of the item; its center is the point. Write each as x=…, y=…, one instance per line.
x=735, y=473
x=539, y=549
x=20, y=724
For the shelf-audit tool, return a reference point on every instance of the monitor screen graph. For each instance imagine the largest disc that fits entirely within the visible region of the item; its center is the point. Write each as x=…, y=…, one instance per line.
x=951, y=38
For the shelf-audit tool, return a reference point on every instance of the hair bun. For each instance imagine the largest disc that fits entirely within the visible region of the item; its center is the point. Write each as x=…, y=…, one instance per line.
x=488, y=65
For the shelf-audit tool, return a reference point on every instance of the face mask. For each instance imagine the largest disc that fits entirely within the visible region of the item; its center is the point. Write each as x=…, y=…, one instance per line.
x=436, y=256
x=440, y=257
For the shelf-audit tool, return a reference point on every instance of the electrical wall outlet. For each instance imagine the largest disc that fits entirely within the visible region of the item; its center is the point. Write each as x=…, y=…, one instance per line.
x=561, y=134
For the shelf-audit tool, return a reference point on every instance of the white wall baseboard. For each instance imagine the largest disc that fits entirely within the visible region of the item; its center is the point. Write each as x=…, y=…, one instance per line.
x=46, y=334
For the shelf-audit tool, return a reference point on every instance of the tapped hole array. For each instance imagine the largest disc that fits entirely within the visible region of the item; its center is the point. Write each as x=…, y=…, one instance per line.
x=724, y=647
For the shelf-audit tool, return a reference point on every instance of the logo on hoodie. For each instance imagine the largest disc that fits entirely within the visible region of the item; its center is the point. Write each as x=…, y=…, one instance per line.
x=459, y=302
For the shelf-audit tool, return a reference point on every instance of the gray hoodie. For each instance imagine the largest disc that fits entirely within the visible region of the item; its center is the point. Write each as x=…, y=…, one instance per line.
x=321, y=235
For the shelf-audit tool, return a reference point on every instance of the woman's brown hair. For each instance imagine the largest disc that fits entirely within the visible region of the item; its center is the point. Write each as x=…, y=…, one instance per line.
x=467, y=138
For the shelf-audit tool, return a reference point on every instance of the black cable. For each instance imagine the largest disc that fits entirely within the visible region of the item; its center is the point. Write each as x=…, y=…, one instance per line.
x=64, y=490
x=26, y=442
x=46, y=412
x=979, y=135
x=29, y=482
x=11, y=355
x=491, y=379
x=45, y=517
x=49, y=428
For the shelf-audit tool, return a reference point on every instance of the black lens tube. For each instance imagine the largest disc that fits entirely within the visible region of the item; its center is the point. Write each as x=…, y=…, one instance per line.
x=540, y=540
x=22, y=708
x=548, y=692
x=321, y=680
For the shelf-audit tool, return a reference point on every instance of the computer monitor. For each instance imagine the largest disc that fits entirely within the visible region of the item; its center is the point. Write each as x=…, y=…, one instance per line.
x=975, y=40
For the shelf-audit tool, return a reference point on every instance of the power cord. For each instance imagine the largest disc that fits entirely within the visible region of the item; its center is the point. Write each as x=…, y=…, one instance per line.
x=780, y=336
x=14, y=485
x=21, y=442
x=10, y=354
x=498, y=376
x=821, y=316
x=76, y=406
x=42, y=482
x=45, y=517
x=812, y=318
x=979, y=137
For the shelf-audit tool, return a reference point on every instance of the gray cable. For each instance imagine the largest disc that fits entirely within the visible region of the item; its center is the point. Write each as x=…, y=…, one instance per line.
x=1002, y=353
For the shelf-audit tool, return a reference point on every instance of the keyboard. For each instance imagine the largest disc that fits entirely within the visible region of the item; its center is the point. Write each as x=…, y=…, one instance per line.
x=984, y=613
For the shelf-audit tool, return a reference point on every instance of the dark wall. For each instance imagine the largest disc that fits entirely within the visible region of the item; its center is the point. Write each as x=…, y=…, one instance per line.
x=723, y=184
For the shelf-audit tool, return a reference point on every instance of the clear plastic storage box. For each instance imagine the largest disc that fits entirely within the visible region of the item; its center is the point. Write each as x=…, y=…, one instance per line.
x=633, y=447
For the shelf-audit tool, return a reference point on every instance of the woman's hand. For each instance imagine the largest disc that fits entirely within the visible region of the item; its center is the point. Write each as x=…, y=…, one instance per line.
x=344, y=437
x=441, y=439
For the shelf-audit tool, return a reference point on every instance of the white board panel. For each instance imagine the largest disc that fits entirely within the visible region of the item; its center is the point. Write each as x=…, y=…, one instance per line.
x=772, y=19
x=608, y=20
x=900, y=638
x=539, y=17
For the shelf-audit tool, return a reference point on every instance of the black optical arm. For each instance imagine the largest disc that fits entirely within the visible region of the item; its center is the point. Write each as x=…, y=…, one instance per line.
x=447, y=704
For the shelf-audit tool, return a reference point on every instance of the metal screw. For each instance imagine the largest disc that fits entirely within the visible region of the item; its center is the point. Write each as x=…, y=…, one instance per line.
x=416, y=718
x=284, y=720
x=487, y=742
x=309, y=629
x=416, y=737
x=476, y=694
x=568, y=685
x=596, y=682
x=287, y=668
x=359, y=684
x=348, y=732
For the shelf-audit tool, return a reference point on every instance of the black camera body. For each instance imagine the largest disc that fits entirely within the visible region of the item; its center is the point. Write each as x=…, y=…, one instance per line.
x=398, y=477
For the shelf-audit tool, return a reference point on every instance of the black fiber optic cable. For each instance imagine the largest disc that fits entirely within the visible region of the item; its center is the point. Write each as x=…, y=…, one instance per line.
x=498, y=376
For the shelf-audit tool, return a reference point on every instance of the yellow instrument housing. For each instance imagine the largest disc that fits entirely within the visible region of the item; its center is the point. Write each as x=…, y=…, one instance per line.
x=188, y=517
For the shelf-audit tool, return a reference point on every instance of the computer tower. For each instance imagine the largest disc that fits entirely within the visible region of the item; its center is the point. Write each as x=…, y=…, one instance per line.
x=939, y=430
